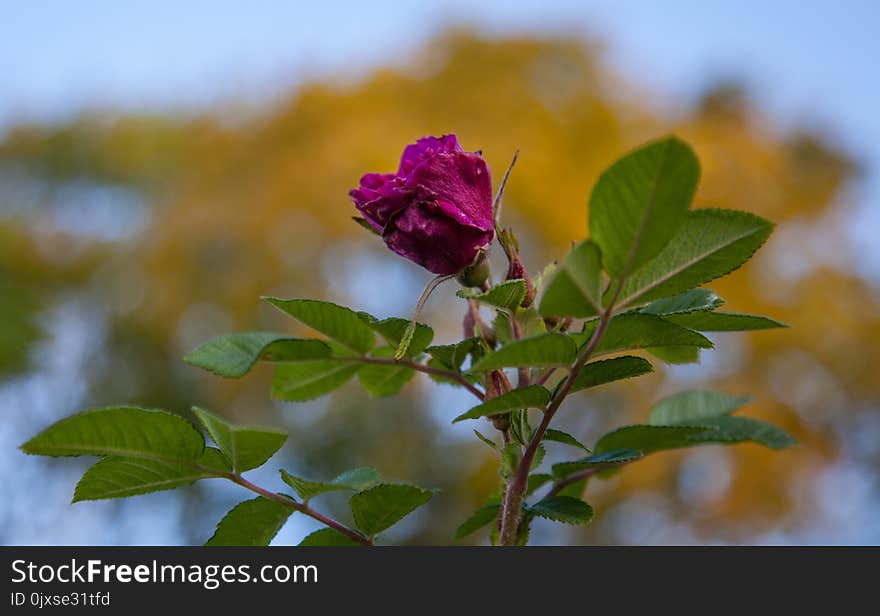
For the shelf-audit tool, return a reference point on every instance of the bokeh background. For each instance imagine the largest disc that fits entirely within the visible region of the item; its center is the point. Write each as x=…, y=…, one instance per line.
x=163, y=164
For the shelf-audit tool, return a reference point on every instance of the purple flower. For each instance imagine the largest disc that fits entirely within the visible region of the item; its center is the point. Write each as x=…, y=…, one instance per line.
x=436, y=210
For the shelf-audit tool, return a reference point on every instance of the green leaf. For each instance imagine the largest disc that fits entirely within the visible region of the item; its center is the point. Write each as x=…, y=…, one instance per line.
x=639, y=331
x=710, y=244
x=640, y=202
x=308, y=380
x=724, y=321
x=477, y=520
x=728, y=430
x=533, y=396
x=566, y=509
x=537, y=351
x=565, y=438
x=695, y=300
x=608, y=370
x=530, y=323
x=676, y=354
x=251, y=523
x=337, y=322
x=689, y=406
x=126, y=431
x=384, y=380
x=575, y=288
x=647, y=438
x=328, y=537
x=117, y=477
x=452, y=356
x=233, y=355
x=245, y=447
x=384, y=505
x=393, y=330
x=536, y=480
x=502, y=327
x=486, y=440
x=507, y=295
x=357, y=479
x=607, y=458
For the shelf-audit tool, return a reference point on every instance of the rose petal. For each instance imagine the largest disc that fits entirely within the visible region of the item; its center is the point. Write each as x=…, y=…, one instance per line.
x=433, y=236
x=461, y=179
x=425, y=148
x=379, y=197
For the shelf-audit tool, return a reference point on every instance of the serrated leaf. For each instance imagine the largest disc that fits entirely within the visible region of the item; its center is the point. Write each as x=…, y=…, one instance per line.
x=728, y=430
x=533, y=396
x=640, y=202
x=126, y=431
x=695, y=300
x=393, y=330
x=689, y=406
x=558, y=436
x=537, y=351
x=382, y=506
x=540, y=453
x=676, y=354
x=251, y=523
x=575, y=288
x=724, y=321
x=355, y=479
x=328, y=537
x=336, y=322
x=233, y=355
x=307, y=380
x=245, y=447
x=566, y=509
x=477, y=520
x=607, y=458
x=710, y=244
x=117, y=477
x=608, y=370
x=507, y=295
x=639, y=331
x=382, y=379
x=647, y=438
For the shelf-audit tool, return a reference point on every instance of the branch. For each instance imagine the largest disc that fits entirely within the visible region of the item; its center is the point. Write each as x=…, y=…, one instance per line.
x=513, y=497
x=407, y=363
x=302, y=508
x=579, y=476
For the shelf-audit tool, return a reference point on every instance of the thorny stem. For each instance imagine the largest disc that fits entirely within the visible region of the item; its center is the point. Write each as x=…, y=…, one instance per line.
x=511, y=508
x=301, y=507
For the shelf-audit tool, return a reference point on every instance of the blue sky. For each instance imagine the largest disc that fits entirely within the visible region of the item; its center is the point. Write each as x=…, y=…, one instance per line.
x=809, y=61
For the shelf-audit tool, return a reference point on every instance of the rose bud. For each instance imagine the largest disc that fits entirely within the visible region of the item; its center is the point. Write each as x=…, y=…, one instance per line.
x=436, y=210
